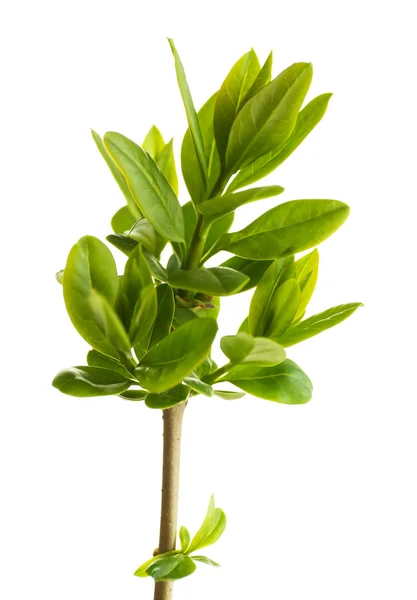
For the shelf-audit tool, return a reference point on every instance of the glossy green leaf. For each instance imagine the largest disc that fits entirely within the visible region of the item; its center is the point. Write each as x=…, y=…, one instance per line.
x=216, y=281
x=157, y=270
x=177, y=355
x=144, y=233
x=185, y=538
x=217, y=229
x=254, y=269
x=244, y=326
x=164, y=315
x=268, y=118
x=217, y=529
x=109, y=322
x=205, y=560
x=243, y=348
x=231, y=97
x=142, y=570
x=198, y=386
x=284, y=307
x=167, y=399
x=318, y=323
x=210, y=310
x=161, y=569
x=96, y=359
x=90, y=266
x=189, y=160
x=184, y=568
x=134, y=395
x=150, y=189
x=305, y=272
x=222, y=205
x=154, y=142
x=190, y=111
x=122, y=220
x=90, y=381
x=190, y=221
x=285, y=383
x=307, y=119
x=119, y=177
x=262, y=310
x=166, y=162
x=229, y=395
x=286, y=229
x=205, y=529
x=122, y=242
x=262, y=79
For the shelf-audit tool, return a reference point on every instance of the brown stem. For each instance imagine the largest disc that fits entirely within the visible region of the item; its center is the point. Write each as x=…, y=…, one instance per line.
x=170, y=488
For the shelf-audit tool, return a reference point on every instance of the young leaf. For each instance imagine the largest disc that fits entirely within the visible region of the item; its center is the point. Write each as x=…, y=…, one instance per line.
x=305, y=272
x=167, y=399
x=231, y=97
x=254, y=269
x=122, y=220
x=229, y=395
x=119, y=177
x=198, y=386
x=307, y=119
x=109, y=322
x=318, y=323
x=142, y=570
x=190, y=164
x=262, y=79
x=96, y=359
x=185, y=538
x=161, y=569
x=166, y=162
x=190, y=221
x=205, y=529
x=205, y=560
x=157, y=270
x=144, y=233
x=190, y=111
x=262, y=303
x=90, y=266
x=285, y=383
x=286, y=229
x=167, y=363
x=268, y=118
x=281, y=311
x=148, y=185
x=122, y=242
x=243, y=348
x=217, y=281
x=217, y=229
x=219, y=525
x=60, y=276
x=154, y=143
x=164, y=314
x=184, y=568
x=134, y=395
x=90, y=381
x=222, y=205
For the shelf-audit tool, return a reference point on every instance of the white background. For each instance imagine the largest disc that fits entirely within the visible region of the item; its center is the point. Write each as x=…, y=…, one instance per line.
x=321, y=499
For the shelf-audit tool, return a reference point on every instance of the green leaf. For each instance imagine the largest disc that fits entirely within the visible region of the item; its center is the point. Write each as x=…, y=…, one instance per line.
x=142, y=570
x=90, y=381
x=254, y=269
x=189, y=160
x=157, y=270
x=119, y=177
x=134, y=395
x=167, y=399
x=222, y=205
x=243, y=348
x=318, y=323
x=185, y=538
x=154, y=143
x=136, y=302
x=229, y=395
x=205, y=529
x=90, y=266
x=109, y=322
x=268, y=118
x=177, y=355
x=122, y=242
x=263, y=78
x=216, y=281
x=198, y=386
x=184, y=568
x=148, y=185
x=144, y=233
x=218, y=527
x=217, y=229
x=122, y=220
x=285, y=383
x=166, y=162
x=231, y=97
x=160, y=569
x=307, y=119
x=286, y=229
x=205, y=560
x=190, y=111
x=305, y=272
x=96, y=359
x=244, y=326
x=164, y=315
x=262, y=309
x=210, y=310
x=60, y=276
